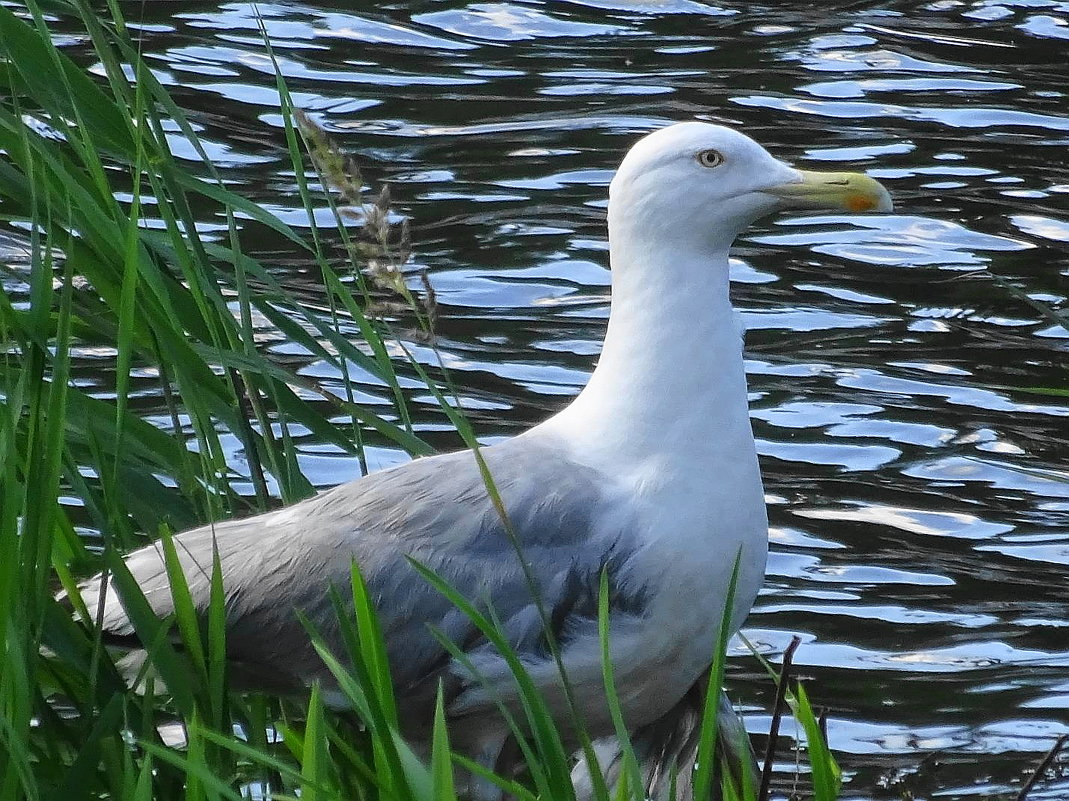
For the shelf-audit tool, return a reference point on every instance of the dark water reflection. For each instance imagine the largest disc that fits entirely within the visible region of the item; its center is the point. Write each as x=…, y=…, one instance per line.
x=920, y=547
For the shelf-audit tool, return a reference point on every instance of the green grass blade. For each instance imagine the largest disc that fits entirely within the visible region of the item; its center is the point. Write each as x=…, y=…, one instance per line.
x=825, y=771
x=441, y=757
x=631, y=775
x=704, y=779
x=316, y=756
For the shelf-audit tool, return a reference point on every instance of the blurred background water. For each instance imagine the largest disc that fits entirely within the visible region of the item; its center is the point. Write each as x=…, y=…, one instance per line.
x=917, y=483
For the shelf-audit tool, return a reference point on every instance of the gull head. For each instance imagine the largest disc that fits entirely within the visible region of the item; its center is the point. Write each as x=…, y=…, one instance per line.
x=703, y=184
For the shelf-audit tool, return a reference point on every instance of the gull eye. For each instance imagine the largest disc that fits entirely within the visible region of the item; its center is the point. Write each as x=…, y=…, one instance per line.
x=710, y=158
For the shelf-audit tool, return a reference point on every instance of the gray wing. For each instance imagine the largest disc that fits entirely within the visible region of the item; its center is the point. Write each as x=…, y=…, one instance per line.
x=436, y=511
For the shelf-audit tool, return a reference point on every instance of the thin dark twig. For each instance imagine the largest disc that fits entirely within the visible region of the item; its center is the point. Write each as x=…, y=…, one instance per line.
x=777, y=715
x=1046, y=763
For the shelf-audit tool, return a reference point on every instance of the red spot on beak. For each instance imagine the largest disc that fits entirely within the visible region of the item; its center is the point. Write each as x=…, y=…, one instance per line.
x=860, y=203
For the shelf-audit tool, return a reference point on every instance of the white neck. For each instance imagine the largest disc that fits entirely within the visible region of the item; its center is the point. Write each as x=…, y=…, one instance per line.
x=670, y=379
x=664, y=418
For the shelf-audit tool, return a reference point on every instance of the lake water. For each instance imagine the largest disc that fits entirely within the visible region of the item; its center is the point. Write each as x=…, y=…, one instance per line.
x=917, y=488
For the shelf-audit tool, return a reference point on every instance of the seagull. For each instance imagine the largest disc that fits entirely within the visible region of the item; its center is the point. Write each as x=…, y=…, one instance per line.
x=650, y=476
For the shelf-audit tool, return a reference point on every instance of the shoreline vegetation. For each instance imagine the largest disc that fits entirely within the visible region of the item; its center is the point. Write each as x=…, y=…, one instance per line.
x=84, y=478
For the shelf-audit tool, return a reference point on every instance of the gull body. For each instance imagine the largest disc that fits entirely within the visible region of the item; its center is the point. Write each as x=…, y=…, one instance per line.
x=650, y=475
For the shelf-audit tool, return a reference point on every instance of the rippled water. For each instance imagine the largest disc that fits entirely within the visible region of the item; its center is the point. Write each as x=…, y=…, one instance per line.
x=920, y=524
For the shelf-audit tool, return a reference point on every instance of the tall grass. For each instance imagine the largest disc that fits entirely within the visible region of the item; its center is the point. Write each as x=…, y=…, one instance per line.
x=84, y=161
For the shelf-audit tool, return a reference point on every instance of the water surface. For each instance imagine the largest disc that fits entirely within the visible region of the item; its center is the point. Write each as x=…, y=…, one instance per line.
x=916, y=484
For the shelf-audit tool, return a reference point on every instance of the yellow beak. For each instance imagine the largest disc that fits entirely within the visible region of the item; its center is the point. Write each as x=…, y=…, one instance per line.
x=848, y=191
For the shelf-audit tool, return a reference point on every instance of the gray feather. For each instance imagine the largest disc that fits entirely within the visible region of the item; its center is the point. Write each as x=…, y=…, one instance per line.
x=436, y=511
